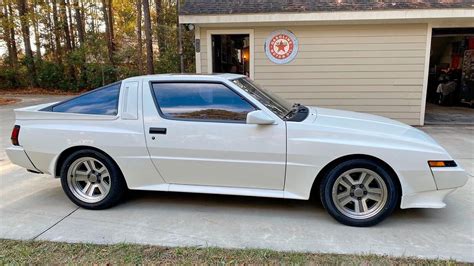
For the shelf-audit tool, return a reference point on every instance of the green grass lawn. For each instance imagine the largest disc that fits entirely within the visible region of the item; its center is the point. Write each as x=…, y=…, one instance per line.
x=14, y=251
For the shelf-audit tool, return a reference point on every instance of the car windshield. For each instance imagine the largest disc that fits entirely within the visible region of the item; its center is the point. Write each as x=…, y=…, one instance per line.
x=279, y=106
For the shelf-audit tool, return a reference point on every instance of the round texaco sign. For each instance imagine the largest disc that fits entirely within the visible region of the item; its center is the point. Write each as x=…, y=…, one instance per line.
x=281, y=47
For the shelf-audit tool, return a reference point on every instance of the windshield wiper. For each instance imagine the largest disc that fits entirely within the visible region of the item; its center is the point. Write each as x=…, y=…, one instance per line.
x=294, y=109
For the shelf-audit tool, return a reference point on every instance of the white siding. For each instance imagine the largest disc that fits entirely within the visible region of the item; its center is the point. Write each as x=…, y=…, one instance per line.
x=369, y=68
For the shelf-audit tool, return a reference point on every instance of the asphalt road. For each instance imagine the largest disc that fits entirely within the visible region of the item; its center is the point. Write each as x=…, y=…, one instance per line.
x=34, y=207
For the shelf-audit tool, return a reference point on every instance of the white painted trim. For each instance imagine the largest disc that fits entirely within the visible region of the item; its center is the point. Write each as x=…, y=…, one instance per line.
x=431, y=26
x=426, y=73
x=197, y=36
x=252, y=192
x=250, y=32
x=452, y=24
x=209, y=51
x=412, y=14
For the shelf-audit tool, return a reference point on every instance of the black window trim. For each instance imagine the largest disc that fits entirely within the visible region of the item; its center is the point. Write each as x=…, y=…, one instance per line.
x=162, y=115
x=50, y=108
x=270, y=110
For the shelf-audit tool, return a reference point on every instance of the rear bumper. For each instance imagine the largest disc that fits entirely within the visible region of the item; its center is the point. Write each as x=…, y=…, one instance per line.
x=18, y=156
x=447, y=180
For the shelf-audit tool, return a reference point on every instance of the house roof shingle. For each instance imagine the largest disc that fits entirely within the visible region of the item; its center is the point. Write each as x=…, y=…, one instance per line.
x=219, y=7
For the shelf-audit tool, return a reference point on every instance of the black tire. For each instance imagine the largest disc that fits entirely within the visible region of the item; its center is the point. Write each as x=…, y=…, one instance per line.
x=117, y=188
x=326, y=190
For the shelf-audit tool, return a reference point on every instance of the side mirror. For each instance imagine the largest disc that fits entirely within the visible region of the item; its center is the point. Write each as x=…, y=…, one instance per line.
x=259, y=117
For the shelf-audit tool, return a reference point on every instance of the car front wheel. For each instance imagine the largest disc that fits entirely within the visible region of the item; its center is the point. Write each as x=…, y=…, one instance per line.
x=92, y=180
x=359, y=193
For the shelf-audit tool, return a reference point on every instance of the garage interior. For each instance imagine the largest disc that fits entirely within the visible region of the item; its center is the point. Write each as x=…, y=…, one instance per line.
x=450, y=93
x=230, y=53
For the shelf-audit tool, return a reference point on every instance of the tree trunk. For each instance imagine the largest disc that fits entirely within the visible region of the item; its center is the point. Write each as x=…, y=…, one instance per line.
x=71, y=27
x=83, y=15
x=180, y=39
x=65, y=25
x=79, y=23
x=139, y=37
x=160, y=26
x=49, y=26
x=68, y=41
x=7, y=30
x=93, y=24
x=78, y=17
x=57, y=32
x=111, y=23
x=148, y=37
x=36, y=29
x=25, y=30
x=14, y=50
x=110, y=46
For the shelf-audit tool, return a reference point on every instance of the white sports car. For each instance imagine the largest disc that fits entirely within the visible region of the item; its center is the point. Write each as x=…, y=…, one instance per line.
x=223, y=134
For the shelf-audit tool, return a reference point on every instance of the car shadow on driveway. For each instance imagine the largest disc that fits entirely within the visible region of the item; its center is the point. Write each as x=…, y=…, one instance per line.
x=224, y=203
x=255, y=206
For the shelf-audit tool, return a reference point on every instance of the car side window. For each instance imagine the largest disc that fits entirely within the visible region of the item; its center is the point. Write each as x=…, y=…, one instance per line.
x=200, y=101
x=102, y=101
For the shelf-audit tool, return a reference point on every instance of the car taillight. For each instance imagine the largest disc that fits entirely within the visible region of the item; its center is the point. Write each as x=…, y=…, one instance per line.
x=15, y=134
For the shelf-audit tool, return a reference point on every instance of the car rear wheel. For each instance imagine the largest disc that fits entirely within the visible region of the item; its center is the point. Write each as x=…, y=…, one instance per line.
x=92, y=180
x=359, y=193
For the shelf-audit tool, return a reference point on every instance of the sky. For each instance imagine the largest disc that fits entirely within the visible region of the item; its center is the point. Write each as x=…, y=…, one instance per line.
x=3, y=48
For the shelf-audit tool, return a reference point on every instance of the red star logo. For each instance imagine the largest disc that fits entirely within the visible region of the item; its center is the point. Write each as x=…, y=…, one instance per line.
x=281, y=46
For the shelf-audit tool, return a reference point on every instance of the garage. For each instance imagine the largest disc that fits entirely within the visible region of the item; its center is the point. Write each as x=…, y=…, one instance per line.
x=372, y=57
x=450, y=94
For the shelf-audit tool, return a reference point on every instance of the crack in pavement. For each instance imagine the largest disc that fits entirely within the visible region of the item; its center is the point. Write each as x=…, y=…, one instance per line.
x=47, y=229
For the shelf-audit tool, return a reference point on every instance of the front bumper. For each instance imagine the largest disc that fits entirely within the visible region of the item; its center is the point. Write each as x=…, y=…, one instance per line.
x=18, y=156
x=447, y=180
x=449, y=177
x=427, y=199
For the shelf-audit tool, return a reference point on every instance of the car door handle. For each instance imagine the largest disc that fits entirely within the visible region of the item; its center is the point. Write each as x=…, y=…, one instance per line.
x=158, y=130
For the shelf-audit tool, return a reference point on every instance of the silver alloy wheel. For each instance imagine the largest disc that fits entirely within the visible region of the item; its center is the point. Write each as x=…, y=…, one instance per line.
x=89, y=180
x=359, y=193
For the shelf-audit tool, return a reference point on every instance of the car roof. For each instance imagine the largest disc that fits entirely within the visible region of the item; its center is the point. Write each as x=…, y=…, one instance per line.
x=188, y=76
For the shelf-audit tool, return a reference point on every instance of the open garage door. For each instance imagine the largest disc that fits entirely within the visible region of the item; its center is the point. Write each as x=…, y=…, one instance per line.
x=231, y=53
x=450, y=92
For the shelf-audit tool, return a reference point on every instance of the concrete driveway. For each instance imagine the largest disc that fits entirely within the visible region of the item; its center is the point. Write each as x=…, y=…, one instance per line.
x=34, y=207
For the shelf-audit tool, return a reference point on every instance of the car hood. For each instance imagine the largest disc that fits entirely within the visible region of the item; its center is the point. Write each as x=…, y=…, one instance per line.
x=367, y=126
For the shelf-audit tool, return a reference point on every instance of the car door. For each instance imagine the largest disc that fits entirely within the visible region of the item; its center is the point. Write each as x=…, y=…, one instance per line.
x=197, y=135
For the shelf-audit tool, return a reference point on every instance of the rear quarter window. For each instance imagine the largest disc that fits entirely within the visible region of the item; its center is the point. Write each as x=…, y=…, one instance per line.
x=102, y=101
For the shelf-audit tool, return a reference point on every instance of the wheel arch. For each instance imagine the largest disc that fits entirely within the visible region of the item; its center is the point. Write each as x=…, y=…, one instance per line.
x=314, y=194
x=64, y=154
